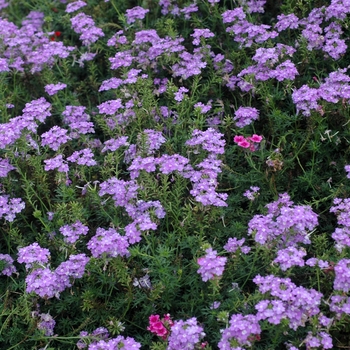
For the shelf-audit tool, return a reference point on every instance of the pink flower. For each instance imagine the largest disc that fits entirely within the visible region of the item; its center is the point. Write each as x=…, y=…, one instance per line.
x=255, y=138
x=238, y=139
x=244, y=144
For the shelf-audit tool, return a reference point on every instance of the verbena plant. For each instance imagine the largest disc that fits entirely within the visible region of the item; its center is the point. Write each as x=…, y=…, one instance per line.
x=174, y=175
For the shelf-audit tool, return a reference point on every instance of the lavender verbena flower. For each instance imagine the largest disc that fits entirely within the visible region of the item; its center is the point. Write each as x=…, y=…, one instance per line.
x=110, y=107
x=252, y=193
x=342, y=275
x=321, y=339
x=73, y=231
x=74, y=6
x=179, y=95
x=5, y=167
x=202, y=107
x=114, y=144
x=43, y=282
x=56, y=163
x=147, y=164
x=285, y=225
x=285, y=71
x=121, y=191
x=317, y=262
x=189, y=65
x=112, y=83
x=135, y=13
x=210, y=140
x=85, y=25
x=4, y=65
x=296, y=304
x=175, y=162
x=46, y=324
x=342, y=234
x=71, y=269
x=151, y=140
x=211, y=265
x=33, y=254
x=230, y=16
x=9, y=268
x=119, y=343
x=289, y=257
x=83, y=157
x=290, y=21
x=201, y=33
x=108, y=242
x=243, y=330
x=37, y=109
x=245, y=115
x=52, y=89
x=215, y=305
x=185, y=335
x=254, y=6
x=9, y=207
x=340, y=304
x=233, y=244
x=55, y=137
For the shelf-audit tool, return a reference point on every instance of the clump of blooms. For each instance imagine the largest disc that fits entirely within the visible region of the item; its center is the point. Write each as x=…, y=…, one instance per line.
x=108, y=242
x=289, y=257
x=211, y=265
x=33, y=254
x=83, y=157
x=72, y=232
x=85, y=25
x=47, y=324
x=341, y=234
x=56, y=163
x=320, y=339
x=135, y=13
x=75, y=6
x=160, y=326
x=296, y=304
x=243, y=331
x=54, y=138
x=52, y=89
x=9, y=268
x=185, y=335
x=285, y=224
x=252, y=193
x=233, y=244
x=9, y=207
x=245, y=115
x=252, y=142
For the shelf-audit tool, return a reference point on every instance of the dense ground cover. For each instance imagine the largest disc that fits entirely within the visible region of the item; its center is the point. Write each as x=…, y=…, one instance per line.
x=174, y=175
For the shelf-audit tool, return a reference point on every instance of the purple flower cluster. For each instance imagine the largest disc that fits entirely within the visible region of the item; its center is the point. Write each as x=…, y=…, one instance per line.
x=243, y=330
x=151, y=140
x=27, y=46
x=289, y=257
x=285, y=224
x=77, y=120
x=109, y=243
x=56, y=163
x=52, y=89
x=83, y=157
x=252, y=193
x=72, y=232
x=342, y=276
x=135, y=13
x=244, y=32
x=46, y=324
x=85, y=25
x=114, y=144
x=9, y=207
x=119, y=343
x=75, y=6
x=233, y=244
x=341, y=235
x=321, y=339
x=55, y=137
x=9, y=268
x=211, y=265
x=47, y=283
x=185, y=335
x=33, y=254
x=296, y=304
x=245, y=115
